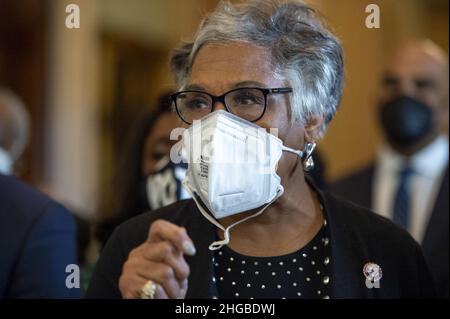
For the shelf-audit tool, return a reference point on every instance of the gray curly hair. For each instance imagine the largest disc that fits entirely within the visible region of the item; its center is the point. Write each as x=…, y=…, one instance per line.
x=303, y=51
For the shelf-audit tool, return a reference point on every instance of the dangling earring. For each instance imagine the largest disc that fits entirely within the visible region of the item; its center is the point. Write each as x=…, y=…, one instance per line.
x=308, y=162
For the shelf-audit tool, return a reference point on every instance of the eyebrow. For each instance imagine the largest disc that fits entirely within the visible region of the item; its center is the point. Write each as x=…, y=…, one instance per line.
x=234, y=86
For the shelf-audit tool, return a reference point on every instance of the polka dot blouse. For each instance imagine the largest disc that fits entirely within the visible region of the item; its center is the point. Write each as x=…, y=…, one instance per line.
x=302, y=274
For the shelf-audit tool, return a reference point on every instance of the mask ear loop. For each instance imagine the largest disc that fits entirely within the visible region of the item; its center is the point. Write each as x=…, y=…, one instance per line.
x=305, y=154
x=220, y=243
x=291, y=150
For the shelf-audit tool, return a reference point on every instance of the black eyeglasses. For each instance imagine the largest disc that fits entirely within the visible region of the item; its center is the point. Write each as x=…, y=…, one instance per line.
x=247, y=103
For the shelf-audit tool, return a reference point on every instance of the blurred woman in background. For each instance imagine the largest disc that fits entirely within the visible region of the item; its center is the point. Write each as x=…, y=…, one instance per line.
x=145, y=156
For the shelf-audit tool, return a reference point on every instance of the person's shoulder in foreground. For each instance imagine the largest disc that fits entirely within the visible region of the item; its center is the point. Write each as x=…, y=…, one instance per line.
x=358, y=238
x=37, y=241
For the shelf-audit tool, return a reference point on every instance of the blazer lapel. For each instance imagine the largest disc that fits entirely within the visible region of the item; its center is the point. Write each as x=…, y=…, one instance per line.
x=438, y=224
x=347, y=257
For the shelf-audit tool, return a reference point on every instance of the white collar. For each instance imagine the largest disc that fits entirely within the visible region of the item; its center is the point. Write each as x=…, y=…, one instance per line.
x=429, y=162
x=6, y=162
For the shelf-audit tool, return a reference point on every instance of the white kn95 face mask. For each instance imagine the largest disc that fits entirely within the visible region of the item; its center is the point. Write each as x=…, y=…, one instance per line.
x=232, y=166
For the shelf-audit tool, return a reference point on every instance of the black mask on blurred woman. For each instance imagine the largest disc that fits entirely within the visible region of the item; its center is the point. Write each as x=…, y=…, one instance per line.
x=163, y=187
x=406, y=120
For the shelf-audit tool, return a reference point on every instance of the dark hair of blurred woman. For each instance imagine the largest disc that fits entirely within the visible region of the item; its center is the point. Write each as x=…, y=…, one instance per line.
x=147, y=144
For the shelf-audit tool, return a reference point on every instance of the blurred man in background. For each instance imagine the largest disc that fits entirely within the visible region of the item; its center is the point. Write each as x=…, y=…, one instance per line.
x=14, y=130
x=37, y=235
x=408, y=181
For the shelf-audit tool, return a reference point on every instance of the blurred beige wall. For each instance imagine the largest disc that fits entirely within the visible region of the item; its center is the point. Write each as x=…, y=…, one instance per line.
x=71, y=165
x=156, y=23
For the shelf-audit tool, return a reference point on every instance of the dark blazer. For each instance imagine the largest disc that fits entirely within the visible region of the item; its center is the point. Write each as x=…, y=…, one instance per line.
x=358, y=189
x=356, y=238
x=37, y=242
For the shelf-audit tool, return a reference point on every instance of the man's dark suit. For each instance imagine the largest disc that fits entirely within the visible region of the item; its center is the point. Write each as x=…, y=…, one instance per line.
x=358, y=189
x=37, y=242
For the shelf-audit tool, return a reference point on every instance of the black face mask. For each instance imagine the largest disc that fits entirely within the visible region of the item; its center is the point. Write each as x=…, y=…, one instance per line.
x=163, y=187
x=406, y=120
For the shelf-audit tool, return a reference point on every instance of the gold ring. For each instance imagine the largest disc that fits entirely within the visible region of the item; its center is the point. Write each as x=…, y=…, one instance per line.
x=149, y=290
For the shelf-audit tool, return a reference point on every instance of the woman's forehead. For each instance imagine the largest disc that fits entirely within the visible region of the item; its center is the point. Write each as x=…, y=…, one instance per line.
x=222, y=67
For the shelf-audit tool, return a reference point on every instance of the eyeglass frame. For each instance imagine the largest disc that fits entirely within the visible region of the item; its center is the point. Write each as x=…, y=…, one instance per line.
x=221, y=98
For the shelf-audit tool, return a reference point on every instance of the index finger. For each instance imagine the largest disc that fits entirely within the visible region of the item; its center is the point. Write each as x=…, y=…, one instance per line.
x=163, y=230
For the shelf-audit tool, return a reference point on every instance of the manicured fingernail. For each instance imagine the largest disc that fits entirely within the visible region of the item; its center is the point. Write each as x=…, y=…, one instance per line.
x=182, y=294
x=188, y=248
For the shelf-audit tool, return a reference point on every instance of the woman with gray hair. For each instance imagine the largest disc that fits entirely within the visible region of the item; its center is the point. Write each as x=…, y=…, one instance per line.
x=258, y=86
